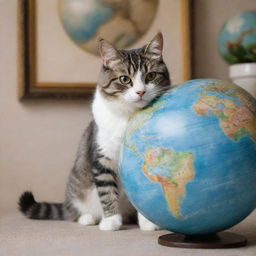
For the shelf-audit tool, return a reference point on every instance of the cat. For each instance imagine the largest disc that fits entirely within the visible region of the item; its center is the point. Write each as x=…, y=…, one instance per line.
x=129, y=80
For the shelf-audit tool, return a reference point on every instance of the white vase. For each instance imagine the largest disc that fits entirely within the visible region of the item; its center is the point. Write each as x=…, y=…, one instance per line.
x=244, y=75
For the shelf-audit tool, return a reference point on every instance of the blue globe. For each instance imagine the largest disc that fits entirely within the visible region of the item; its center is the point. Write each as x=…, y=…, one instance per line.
x=237, y=38
x=188, y=161
x=121, y=22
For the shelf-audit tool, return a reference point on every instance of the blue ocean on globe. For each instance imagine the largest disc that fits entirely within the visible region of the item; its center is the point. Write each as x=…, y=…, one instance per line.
x=188, y=161
x=237, y=38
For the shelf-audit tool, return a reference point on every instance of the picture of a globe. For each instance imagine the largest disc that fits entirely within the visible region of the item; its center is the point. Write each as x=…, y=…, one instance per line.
x=237, y=38
x=121, y=22
x=188, y=161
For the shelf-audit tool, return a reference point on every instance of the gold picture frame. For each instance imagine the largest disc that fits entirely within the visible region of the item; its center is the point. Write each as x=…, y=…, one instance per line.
x=29, y=85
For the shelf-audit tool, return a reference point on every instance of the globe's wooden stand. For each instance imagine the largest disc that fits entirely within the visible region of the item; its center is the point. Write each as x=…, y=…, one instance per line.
x=212, y=241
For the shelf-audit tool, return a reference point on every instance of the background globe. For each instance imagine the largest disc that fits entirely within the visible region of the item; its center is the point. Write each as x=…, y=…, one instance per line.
x=121, y=22
x=237, y=38
x=188, y=161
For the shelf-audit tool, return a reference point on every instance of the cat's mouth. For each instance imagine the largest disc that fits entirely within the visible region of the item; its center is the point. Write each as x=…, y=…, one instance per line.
x=138, y=102
x=141, y=102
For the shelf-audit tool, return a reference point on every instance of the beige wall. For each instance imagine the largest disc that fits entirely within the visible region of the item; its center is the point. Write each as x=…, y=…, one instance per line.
x=38, y=138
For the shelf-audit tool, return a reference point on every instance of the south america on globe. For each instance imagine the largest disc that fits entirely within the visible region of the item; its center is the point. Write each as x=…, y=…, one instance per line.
x=188, y=160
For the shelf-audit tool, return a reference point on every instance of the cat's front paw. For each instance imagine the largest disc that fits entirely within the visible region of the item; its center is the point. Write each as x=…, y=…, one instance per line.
x=87, y=220
x=111, y=223
x=146, y=225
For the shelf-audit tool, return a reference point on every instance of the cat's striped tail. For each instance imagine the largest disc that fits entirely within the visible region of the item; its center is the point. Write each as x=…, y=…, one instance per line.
x=44, y=211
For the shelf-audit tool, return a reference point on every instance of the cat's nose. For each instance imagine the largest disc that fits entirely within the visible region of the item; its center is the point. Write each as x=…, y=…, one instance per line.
x=141, y=93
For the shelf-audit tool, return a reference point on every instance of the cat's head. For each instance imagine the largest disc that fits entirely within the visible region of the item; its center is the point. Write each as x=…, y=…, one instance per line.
x=134, y=76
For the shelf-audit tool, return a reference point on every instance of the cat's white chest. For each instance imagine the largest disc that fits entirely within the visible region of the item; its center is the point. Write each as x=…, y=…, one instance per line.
x=109, y=137
x=111, y=126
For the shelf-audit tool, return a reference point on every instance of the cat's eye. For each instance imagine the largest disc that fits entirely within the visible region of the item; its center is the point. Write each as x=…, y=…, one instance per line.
x=125, y=79
x=150, y=76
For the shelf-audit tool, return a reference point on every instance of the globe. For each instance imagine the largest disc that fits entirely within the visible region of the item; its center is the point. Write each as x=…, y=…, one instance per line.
x=188, y=160
x=121, y=22
x=237, y=38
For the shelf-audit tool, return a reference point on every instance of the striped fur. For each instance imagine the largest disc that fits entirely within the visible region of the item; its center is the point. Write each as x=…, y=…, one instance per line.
x=93, y=192
x=129, y=62
x=35, y=210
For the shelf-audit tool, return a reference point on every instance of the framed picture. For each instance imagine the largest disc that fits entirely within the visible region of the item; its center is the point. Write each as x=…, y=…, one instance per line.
x=57, y=40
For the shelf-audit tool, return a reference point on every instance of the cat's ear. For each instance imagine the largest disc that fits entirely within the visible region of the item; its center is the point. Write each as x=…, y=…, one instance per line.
x=109, y=54
x=155, y=47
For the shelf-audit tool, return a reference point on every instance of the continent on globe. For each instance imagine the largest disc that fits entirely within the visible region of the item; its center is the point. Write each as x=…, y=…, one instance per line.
x=236, y=120
x=137, y=122
x=173, y=171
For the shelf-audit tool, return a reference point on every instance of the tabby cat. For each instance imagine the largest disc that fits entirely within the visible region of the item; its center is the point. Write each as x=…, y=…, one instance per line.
x=129, y=80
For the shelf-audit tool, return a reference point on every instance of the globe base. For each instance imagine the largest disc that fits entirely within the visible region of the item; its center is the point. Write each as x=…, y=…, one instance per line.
x=209, y=241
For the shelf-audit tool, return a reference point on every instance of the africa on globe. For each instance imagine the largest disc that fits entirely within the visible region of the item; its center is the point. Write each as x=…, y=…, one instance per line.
x=188, y=160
